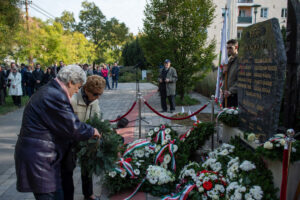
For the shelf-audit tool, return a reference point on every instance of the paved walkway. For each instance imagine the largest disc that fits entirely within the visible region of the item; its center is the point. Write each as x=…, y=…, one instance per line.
x=113, y=103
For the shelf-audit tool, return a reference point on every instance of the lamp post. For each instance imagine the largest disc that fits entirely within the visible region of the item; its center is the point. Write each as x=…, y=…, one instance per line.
x=255, y=6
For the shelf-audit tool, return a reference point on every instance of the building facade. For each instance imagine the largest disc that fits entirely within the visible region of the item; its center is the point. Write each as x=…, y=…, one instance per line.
x=243, y=13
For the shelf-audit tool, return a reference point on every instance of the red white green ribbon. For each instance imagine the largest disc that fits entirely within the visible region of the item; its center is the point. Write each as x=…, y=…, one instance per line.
x=183, y=195
x=184, y=135
x=161, y=134
x=136, y=190
x=127, y=166
x=161, y=151
x=136, y=146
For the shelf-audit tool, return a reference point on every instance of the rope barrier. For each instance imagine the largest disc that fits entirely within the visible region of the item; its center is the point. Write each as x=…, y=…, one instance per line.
x=133, y=105
x=171, y=118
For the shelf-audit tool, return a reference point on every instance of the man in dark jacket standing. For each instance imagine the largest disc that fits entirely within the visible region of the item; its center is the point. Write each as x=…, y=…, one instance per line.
x=49, y=125
x=2, y=86
x=29, y=81
x=115, y=75
x=38, y=76
x=232, y=75
x=167, y=86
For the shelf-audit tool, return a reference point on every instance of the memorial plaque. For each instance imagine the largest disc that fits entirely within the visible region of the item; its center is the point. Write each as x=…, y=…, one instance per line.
x=262, y=64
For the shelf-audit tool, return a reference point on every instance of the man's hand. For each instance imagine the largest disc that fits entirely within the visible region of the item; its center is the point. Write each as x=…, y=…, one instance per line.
x=160, y=80
x=38, y=81
x=225, y=68
x=96, y=134
x=227, y=93
x=167, y=80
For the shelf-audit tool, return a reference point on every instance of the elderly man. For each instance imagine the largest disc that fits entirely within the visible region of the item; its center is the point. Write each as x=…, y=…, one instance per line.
x=49, y=125
x=167, y=85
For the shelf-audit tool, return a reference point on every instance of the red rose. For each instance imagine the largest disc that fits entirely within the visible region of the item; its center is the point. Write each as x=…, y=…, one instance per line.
x=207, y=185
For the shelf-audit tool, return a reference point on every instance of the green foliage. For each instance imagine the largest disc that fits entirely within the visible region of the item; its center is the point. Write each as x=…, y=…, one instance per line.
x=276, y=153
x=229, y=119
x=10, y=18
x=261, y=175
x=67, y=20
x=133, y=54
x=186, y=101
x=107, y=35
x=98, y=156
x=177, y=30
x=195, y=139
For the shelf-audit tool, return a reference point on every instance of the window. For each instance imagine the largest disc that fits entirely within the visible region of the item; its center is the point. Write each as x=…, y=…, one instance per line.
x=223, y=12
x=284, y=12
x=239, y=34
x=264, y=12
x=242, y=13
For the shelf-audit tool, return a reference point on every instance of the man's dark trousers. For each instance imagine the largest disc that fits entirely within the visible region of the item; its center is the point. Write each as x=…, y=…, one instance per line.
x=163, y=98
x=232, y=101
x=58, y=195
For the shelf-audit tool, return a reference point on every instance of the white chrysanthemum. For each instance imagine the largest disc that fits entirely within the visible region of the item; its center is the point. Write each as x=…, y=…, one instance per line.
x=175, y=148
x=167, y=158
x=147, y=154
x=112, y=174
x=225, y=109
x=167, y=131
x=156, y=129
x=279, y=135
x=268, y=145
x=168, y=137
x=235, y=112
x=152, y=180
x=251, y=137
x=216, y=166
x=140, y=153
x=282, y=142
x=136, y=172
x=150, y=133
x=201, y=189
x=230, y=111
x=123, y=174
x=225, y=152
x=256, y=192
x=294, y=149
x=247, y=166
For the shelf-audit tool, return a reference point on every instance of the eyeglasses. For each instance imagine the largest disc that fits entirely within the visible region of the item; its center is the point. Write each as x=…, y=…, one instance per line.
x=229, y=47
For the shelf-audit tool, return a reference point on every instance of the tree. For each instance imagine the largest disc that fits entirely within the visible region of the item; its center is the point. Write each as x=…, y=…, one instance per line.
x=108, y=35
x=10, y=18
x=67, y=20
x=177, y=30
x=133, y=54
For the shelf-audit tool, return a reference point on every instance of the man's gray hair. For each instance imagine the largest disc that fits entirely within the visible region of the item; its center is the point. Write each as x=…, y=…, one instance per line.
x=72, y=73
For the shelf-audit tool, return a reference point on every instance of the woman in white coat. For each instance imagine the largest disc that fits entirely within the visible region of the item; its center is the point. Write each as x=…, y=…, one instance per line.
x=15, y=88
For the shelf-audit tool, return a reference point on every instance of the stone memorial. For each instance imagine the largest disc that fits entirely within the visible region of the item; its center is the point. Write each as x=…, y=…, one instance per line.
x=262, y=64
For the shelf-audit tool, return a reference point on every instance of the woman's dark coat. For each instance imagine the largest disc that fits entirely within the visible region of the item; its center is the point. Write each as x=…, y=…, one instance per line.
x=48, y=126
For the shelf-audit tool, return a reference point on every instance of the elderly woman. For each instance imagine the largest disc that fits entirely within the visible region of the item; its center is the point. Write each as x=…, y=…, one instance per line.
x=15, y=89
x=49, y=125
x=85, y=105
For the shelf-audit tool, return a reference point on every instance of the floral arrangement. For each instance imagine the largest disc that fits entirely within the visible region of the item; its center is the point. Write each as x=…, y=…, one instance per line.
x=156, y=161
x=104, y=152
x=274, y=146
x=229, y=172
x=229, y=116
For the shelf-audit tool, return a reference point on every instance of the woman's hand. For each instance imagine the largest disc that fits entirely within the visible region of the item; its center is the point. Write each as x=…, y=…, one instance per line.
x=97, y=134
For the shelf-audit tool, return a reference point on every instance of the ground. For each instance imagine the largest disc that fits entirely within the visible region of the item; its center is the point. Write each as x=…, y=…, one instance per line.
x=112, y=103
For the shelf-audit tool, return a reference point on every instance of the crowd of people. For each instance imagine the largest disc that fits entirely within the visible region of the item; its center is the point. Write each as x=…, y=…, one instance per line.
x=25, y=80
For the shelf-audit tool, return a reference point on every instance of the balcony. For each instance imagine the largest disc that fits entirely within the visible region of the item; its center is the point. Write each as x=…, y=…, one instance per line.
x=245, y=1
x=244, y=20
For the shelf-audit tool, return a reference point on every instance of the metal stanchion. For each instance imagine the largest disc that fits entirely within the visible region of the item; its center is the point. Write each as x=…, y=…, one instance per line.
x=140, y=114
x=212, y=119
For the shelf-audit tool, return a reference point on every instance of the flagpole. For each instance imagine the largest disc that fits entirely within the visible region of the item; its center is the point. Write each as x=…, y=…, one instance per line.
x=226, y=87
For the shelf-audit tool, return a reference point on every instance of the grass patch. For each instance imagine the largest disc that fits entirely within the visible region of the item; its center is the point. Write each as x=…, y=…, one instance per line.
x=187, y=101
x=203, y=117
x=9, y=105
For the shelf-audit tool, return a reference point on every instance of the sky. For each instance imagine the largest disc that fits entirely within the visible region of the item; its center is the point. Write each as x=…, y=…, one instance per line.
x=131, y=12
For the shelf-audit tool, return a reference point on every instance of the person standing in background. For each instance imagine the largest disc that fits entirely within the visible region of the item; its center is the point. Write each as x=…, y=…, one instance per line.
x=167, y=86
x=47, y=76
x=104, y=72
x=2, y=86
x=23, y=71
x=115, y=75
x=15, y=89
x=38, y=76
x=29, y=81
